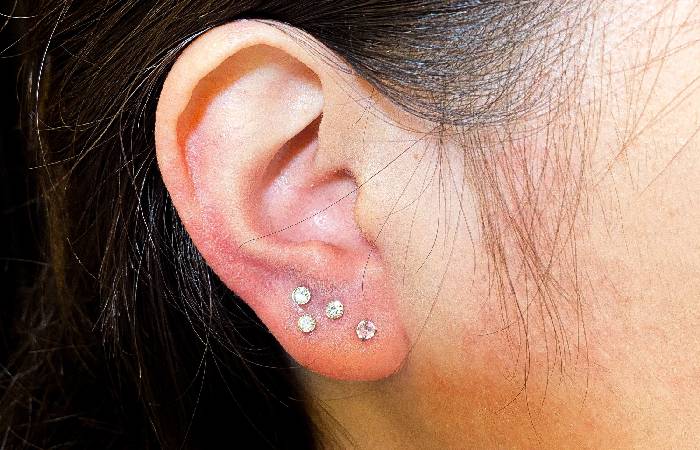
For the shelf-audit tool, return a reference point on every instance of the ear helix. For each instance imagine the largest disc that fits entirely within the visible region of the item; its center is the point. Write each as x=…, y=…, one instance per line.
x=301, y=295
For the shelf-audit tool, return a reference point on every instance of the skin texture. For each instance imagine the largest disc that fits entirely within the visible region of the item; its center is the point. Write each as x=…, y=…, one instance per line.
x=256, y=134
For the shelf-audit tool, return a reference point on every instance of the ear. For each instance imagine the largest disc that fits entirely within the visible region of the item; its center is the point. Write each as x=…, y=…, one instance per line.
x=249, y=155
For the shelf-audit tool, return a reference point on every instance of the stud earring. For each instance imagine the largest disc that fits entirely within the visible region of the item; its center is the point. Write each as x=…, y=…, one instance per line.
x=306, y=324
x=301, y=295
x=366, y=330
x=334, y=310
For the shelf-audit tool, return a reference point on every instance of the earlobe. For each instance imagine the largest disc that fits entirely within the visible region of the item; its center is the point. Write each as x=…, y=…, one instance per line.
x=238, y=145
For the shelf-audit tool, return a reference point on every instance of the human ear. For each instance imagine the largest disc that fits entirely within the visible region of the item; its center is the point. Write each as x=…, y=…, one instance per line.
x=247, y=147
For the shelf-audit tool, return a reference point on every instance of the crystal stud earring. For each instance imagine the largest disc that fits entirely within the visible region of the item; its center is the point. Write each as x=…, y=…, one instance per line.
x=334, y=310
x=306, y=324
x=301, y=295
x=366, y=330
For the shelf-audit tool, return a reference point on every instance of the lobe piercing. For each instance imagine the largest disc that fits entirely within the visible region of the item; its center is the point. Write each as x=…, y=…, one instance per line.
x=306, y=324
x=366, y=330
x=301, y=295
x=334, y=310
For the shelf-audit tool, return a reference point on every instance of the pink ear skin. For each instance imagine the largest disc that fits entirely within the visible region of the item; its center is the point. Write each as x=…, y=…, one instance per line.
x=237, y=138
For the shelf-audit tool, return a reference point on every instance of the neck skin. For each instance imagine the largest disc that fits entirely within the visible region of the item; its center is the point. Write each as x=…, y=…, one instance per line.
x=631, y=381
x=477, y=405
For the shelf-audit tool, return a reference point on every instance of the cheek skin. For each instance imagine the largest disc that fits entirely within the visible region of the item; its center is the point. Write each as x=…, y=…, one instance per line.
x=462, y=351
x=644, y=227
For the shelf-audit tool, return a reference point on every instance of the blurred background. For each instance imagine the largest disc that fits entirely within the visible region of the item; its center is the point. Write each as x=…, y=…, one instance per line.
x=19, y=256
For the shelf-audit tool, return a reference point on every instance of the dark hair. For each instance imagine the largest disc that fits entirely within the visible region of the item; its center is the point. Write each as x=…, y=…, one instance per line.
x=127, y=339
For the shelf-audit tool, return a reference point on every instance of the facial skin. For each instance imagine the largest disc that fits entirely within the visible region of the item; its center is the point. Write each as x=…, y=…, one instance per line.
x=607, y=357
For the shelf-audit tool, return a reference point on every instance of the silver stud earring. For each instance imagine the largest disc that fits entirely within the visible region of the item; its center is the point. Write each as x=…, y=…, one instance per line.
x=301, y=295
x=306, y=324
x=334, y=310
x=366, y=330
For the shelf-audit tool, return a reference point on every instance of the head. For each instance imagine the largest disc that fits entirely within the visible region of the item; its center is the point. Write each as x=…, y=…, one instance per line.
x=503, y=189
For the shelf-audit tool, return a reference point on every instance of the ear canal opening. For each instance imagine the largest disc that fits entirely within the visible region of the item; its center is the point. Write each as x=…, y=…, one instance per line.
x=303, y=145
x=299, y=204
